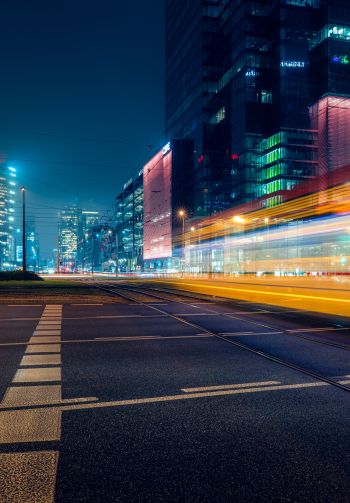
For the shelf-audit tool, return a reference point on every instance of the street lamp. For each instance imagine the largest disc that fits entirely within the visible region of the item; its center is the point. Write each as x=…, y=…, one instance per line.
x=24, y=253
x=182, y=216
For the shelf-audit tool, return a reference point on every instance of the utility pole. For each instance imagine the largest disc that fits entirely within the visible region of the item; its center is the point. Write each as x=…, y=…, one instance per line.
x=24, y=252
x=58, y=254
x=92, y=253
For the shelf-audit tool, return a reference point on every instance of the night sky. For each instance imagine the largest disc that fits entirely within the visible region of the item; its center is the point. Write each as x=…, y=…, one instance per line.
x=88, y=69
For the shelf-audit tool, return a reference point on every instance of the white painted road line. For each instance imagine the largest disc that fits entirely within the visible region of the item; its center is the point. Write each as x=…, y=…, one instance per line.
x=24, y=305
x=39, y=340
x=30, y=425
x=38, y=375
x=151, y=337
x=233, y=334
x=86, y=305
x=47, y=332
x=28, y=477
x=26, y=396
x=189, y=396
x=230, y=386
x=43, y=348
x=48, y=359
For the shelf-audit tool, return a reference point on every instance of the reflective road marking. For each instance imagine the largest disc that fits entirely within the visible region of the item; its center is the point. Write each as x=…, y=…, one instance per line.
x=25, y=396
x=30, y=477
x=43, y=348
x=169, y=398
x=230, y=386
x=27, y=477
x=39, y=340
x=38, y=375
x=49, y=359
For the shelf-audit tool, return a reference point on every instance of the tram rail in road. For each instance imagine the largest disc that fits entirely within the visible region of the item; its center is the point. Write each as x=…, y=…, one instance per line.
x=120, y=291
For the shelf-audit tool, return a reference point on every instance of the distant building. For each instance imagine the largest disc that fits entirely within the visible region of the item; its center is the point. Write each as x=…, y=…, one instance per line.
x=32, y=247
x=88, y=220
x=129, y=225
x=7, y=202
x=68, y=235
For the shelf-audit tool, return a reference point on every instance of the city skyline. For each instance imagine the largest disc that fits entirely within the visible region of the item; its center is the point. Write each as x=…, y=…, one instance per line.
x=72, y=85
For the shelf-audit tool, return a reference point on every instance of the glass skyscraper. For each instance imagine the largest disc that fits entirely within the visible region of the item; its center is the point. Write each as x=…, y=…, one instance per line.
x=7, y=217
x=68, y=236
x=247, y=82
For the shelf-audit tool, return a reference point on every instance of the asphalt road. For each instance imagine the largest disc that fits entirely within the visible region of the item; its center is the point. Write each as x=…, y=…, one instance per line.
x=143, y=402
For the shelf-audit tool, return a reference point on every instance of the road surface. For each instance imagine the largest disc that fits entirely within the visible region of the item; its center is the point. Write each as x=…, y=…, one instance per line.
x=166, y=398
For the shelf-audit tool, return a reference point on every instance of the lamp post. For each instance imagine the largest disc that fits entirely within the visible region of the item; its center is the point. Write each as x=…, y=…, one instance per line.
x=24, y=253
x=182, y=215
x=92, y=253
x=86, y=235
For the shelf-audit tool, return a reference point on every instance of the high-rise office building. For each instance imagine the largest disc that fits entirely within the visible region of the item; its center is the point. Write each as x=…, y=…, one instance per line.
x=129, y=225
x=88, y=220
x=7, y=201
x=168, y=198
x=260, y=87
x=32, y=246
x=68, y=235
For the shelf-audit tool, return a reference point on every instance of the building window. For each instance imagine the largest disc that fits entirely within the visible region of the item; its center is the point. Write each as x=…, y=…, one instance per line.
x=266, y=96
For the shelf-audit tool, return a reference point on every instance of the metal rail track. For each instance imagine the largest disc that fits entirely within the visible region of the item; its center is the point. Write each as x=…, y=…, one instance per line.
x=263, y=354
x=299, y=336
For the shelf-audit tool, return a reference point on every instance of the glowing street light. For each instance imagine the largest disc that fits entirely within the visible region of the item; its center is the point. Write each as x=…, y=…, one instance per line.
x=24, y=252
x=182, y=215
x=238, y=219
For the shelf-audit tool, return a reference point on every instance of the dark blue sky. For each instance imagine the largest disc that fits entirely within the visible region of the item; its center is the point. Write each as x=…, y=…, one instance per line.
x=79, y=68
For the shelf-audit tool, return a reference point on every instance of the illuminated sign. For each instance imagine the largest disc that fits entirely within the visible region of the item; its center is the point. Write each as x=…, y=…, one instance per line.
x=286, y=63
x=251, y=73
x=166, y=148
x=343, y=60
x=127, y=183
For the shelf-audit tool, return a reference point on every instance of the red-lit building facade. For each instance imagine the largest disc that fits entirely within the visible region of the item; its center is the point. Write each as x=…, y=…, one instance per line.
x=168, y=190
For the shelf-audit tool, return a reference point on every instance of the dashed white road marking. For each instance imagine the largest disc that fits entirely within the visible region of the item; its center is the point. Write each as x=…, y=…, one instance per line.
x=26, y=396
x=38, y=375
x=27, y=477
x=47, y=332
x=48, y=322
x=30, y=425
x=43, y=348
x=48, y=359
x=30, y=477
x=40, y=339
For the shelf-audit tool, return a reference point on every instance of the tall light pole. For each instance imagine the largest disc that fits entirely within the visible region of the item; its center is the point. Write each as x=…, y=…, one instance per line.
x=24, y=252
x=182, y=215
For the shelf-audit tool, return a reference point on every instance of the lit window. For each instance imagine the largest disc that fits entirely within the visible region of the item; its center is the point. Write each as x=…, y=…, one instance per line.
x=266, y=96
x=220, y=116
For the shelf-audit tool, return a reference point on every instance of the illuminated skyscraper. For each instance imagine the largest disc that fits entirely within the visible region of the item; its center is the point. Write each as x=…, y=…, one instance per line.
x=32, y=246
x=241, y=77
x=68, y=235
x=88, y=220
x=7, y=201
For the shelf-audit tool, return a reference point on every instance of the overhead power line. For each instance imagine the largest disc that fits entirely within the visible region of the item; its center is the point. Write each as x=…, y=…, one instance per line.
x=76, y=163
x=79, y=138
